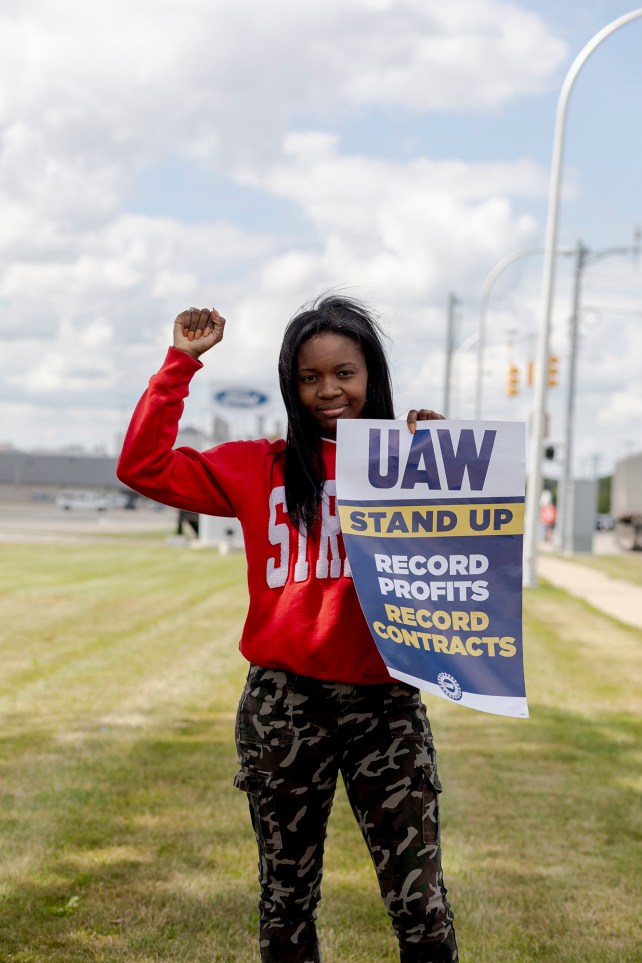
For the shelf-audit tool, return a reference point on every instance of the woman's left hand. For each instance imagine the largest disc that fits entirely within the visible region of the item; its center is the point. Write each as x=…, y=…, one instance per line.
x=423, y=414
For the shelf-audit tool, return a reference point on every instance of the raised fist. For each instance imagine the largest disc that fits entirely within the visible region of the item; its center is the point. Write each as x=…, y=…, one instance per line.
x=196, y=330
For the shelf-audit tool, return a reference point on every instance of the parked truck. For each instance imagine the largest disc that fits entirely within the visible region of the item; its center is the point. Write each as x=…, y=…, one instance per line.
x=626, y=502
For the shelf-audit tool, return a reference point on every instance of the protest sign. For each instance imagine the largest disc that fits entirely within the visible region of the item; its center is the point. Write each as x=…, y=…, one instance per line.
x=433, y=528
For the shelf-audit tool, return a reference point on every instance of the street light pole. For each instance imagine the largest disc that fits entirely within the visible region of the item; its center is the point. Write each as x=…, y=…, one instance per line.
x=548, y=282
x=484, y=300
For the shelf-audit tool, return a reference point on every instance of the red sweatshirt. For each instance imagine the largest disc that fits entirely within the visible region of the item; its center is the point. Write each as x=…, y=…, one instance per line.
x=304, y=614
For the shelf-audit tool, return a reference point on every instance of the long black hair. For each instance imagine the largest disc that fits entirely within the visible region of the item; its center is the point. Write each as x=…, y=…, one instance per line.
x=304, y=470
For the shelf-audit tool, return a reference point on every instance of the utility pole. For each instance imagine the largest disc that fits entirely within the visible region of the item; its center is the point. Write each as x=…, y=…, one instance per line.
x=583, y=258
x=453, y=303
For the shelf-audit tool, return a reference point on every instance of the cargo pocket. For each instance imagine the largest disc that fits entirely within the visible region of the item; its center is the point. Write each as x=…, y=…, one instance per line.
x=262, y=802
x=264, y=715
x=406, y=715
x=431, y=790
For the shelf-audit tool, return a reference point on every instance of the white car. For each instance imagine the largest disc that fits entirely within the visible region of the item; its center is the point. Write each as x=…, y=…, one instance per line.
x=89, y=501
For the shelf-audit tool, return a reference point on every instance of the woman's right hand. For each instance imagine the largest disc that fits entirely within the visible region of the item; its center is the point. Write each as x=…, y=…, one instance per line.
x=196, y=330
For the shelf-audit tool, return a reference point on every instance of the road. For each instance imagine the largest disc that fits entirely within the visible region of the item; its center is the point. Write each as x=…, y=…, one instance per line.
x=45, y=522
x=40, y=522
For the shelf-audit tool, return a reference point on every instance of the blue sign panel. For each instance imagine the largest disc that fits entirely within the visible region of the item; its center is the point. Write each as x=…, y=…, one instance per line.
x=433, y=527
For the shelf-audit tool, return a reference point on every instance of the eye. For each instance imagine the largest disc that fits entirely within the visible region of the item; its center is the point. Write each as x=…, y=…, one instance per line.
x=307, y=379
x=346, y=373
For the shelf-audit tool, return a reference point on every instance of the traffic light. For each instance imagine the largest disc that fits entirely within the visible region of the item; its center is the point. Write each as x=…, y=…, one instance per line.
x=512, y=384
x=553, y=370
x=549, y=453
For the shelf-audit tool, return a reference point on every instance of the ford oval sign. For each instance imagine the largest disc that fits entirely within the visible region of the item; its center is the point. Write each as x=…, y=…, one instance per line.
x=240, y=398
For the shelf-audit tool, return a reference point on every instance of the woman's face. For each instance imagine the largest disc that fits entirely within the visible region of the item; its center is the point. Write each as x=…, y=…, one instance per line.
x=332, y=380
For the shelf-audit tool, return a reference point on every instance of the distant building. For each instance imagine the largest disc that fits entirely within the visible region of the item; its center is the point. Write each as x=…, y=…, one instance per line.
x=41, y=476
x=29, y=476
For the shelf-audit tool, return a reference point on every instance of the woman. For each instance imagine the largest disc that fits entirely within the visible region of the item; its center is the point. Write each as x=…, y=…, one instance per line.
x=318, y=698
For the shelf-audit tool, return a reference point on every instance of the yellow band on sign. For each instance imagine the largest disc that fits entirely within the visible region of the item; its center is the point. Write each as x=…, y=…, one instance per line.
x=421, y=521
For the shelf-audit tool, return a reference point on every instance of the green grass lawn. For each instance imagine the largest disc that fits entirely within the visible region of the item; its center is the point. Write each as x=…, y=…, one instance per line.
x=122, y=838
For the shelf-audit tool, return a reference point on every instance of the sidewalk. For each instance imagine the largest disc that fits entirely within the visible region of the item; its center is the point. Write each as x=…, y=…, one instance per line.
x=616, y=598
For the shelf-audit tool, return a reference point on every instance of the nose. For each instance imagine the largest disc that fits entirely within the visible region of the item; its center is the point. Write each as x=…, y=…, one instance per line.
x=328, y=388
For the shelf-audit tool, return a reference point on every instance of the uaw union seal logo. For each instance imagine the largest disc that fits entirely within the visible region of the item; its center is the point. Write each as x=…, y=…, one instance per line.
x=449, y=686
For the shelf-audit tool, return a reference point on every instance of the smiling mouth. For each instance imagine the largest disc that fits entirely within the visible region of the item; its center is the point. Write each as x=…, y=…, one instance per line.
x=332, y=411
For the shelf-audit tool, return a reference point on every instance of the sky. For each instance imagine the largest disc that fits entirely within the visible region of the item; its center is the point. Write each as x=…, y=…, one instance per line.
x=252, y=156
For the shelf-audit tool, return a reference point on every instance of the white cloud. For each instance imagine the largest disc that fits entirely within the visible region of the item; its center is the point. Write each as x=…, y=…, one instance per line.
x=404, y=230
x=90, y=98
x=400, y=234
x=450, y=56
x=124, y=81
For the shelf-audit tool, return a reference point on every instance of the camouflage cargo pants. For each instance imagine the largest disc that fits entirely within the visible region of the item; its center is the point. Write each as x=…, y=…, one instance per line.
x=294, y=735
